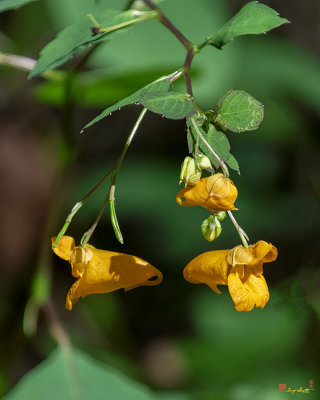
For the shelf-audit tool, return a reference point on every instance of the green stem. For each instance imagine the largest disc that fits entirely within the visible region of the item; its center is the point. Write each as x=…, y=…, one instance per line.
x=77, y=207
x=243, y=236
x=148, y=15
x=126, y=146
x=222, y=164
x=87, y=235
x=111, y=194
x=203, y=44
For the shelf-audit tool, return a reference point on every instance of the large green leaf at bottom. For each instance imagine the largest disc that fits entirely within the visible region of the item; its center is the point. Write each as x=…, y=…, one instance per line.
x=69, y=374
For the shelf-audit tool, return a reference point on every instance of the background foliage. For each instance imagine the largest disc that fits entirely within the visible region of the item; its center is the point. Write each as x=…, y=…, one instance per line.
x=179, y=341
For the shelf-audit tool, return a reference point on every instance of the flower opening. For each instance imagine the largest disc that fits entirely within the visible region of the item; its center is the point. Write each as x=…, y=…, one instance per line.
x=239, y=268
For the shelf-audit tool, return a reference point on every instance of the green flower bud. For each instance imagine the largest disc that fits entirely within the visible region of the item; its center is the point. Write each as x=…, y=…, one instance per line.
x=204, y=162
x=221, y=215
x=211, y=228
x=194, y=178
x=190, y=173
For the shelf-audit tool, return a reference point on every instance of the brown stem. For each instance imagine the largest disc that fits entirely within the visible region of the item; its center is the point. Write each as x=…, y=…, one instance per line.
x=182, y=39
x=164, y=21
x=186, y=70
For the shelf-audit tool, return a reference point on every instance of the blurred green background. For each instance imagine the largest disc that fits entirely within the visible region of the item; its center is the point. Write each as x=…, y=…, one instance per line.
x=182, y=341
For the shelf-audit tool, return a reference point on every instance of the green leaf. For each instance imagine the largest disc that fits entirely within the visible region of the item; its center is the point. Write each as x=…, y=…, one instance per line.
x=219, y=142
x=79, y=34
x=233, y=163
x=161, y=84
x=10, y=4
x=216, y=139
x=238, y=111
x=69, y=374
x=253, y=18
x=191, y=141
x=169, y=104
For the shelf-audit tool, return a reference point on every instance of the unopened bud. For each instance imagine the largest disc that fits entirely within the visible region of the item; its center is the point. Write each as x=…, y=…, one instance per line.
x=221, y=215
x=204, y=162
x=190, y=172
x=211, y=228
x=138, y=5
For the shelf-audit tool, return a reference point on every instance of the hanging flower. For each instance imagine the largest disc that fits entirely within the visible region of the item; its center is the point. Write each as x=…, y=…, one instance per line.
x=214, y=193
x=102, y=271
x=239, y=268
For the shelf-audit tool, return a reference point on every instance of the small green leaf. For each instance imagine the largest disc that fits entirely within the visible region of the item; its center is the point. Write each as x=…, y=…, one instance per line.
x=169, y=104
x=238, y=111
x=79, y=34
x=10, y=4
x=253, y=18
x=70, y=374
x=233, y=163
x=219, y=142
x=216, y=139
x=161, y=84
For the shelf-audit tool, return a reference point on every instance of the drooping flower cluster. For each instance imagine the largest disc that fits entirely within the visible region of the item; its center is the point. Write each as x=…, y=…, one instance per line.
x=240, y=268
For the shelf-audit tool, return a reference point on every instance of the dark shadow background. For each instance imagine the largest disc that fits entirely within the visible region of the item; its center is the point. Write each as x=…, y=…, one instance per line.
x=176, y=335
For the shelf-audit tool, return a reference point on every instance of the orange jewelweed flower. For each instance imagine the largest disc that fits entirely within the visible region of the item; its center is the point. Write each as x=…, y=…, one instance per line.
x=102, y=271
x=240, y=268
x=214, y=193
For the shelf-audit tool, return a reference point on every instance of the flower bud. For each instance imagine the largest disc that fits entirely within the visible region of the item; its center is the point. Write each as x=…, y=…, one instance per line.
x=204, y=162
x=190, y=172
x=221, y=215
x=211, y=228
